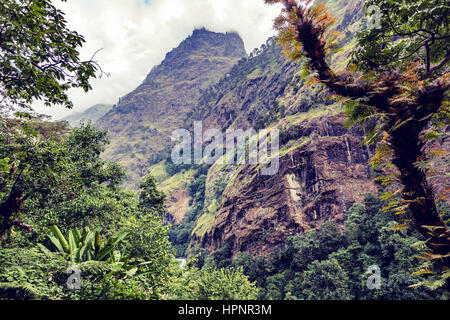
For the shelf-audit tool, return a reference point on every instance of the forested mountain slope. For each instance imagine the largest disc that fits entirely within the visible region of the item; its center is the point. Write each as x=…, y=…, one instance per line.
x=323, y=166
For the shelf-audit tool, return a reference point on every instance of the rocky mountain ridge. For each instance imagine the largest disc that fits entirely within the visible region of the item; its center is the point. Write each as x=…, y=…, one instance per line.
x=141, y=124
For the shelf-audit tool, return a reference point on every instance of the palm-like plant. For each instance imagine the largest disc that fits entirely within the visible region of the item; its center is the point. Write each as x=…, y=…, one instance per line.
x=80, y=246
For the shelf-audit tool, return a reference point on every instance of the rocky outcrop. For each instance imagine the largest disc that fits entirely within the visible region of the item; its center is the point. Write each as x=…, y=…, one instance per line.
x=321, y=175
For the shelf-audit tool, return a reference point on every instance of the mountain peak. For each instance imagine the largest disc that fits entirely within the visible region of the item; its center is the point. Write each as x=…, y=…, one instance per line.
x=212, y=43
x=204, y=32
x=201, y=44
x=170, y=92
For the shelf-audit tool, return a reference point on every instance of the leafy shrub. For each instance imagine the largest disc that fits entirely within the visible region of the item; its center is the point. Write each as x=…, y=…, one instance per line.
x=210, y=283
x=31, y=267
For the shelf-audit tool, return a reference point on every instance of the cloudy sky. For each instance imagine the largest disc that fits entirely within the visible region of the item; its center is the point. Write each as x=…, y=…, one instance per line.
x=135, y=35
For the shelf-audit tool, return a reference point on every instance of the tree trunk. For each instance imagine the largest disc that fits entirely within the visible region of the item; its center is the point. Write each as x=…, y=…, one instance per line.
x=417, y=193
x=8, y=209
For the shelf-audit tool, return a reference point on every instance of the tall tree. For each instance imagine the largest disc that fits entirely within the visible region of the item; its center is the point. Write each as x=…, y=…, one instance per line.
x=50, y=170
x=39, y=60
x=402, y=79
x=150, y=198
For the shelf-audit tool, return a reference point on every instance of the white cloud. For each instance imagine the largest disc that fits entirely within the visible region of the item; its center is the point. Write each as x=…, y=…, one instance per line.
x=135, y=36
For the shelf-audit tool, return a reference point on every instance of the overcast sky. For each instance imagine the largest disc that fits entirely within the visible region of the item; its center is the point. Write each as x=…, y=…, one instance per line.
x=135, y=35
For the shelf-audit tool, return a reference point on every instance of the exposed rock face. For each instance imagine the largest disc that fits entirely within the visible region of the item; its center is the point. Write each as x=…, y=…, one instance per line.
x=323, y=174
x=140, y=126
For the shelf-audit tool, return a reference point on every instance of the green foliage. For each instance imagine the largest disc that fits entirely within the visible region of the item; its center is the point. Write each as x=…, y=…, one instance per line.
x=60, y=180
x=148, y=243
x=39, y=55
x=111, y=288
x=63, y=181
x=47, y=176
x=14, y=291
x=27, y=155
x=30, y=273
x=150, y=198
x=85, y=144
x=98, y=205
x=409, y=31
x=326, y=280
x=31, y=268
x=180, y=235
x=275, y=113
x=329, y=264
x=210, y=283
x=86, y=245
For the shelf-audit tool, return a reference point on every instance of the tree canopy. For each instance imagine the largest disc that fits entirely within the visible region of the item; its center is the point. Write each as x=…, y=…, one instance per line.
x=39, y=56
x=399, y=86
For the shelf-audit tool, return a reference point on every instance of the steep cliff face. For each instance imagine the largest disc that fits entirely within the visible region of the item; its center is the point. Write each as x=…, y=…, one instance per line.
x=140, y=126
x=323, y=168
x=323, y=171
x=266, y=86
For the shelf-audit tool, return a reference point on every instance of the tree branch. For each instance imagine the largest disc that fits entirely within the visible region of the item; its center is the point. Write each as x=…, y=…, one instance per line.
x=22, y=225
x=437, y=67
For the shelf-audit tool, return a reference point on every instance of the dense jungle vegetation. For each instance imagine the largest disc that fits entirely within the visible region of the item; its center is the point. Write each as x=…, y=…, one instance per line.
x=69, y=230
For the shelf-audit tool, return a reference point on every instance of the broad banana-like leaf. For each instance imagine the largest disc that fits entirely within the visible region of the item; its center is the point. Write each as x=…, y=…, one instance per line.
x=76, y=255
x=119, y=238
x=79, y=237
x=73, y=245
x=71, y=242
x=97, y=243
x=56, y=243
x=106, y=250
x=85, y=249
x=61, y=238
x=47, y=252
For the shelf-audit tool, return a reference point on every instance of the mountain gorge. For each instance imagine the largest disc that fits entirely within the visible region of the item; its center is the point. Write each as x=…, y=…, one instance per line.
x=209, y=77
x=314, y=167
